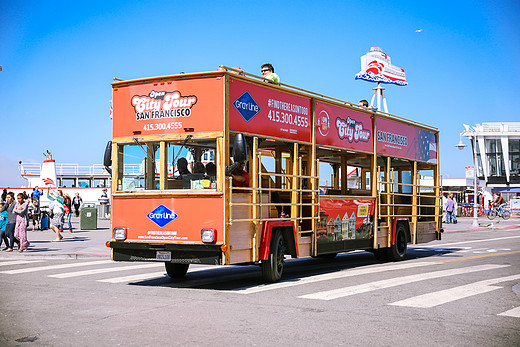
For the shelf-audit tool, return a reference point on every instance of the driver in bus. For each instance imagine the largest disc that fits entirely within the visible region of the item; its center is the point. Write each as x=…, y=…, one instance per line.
x=240, y=177
x=182, y=168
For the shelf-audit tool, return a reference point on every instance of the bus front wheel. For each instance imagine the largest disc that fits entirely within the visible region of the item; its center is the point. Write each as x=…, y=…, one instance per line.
x=175, y=270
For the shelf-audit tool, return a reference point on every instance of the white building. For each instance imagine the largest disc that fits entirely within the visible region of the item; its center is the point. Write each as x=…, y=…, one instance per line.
x=497, y=150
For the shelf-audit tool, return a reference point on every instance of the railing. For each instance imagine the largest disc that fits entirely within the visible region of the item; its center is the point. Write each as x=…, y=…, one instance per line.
x=34, y=169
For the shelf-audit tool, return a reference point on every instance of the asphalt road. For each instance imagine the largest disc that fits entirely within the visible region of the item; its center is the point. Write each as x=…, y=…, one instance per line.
x=461, y=291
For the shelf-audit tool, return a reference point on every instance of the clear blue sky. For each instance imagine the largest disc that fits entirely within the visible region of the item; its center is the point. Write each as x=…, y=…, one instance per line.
x=59, y=58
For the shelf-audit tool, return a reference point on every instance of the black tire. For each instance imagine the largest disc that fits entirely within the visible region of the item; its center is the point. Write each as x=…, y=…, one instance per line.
x=492, y=214
x=380, y=254
x=506, y=214
x=272, y=268
x=397, y=251
x=175, y=270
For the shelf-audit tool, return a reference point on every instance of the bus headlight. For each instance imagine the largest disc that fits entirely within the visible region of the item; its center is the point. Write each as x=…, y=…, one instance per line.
x=119, y=234
x=208, y=235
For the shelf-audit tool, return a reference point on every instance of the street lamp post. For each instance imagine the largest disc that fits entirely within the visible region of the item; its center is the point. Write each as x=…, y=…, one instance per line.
x=472, y=135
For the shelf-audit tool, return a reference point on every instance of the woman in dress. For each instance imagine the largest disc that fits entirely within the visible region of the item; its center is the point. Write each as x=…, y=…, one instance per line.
x=20, y=230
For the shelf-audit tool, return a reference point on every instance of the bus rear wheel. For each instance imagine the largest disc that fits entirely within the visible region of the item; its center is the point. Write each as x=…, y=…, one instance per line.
x=397, y=251
x=175, y=270
x=272, y=268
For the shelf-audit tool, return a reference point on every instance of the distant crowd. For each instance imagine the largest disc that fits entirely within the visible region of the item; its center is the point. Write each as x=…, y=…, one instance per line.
x=18, y=213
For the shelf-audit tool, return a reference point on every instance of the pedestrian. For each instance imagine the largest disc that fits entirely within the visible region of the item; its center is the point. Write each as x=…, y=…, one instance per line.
x=34, y=213
x=4, y=195
x=269, y=75
x=11, y=221
x=3, y=224
x=76, y=202
x=36, y=193
x=20, y=230
x=67, y=205
x=450, y=210
x=57, y=212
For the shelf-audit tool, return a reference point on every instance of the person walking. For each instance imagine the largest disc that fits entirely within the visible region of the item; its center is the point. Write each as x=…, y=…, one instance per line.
x=76, y=202
x=3, y=224
x=20, y=230
x=57, y=212
x=11, y=221
x=450, y=210
x=67, y=204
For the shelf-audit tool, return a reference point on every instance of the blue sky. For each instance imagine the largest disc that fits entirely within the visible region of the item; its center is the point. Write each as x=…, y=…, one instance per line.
x=59, y=58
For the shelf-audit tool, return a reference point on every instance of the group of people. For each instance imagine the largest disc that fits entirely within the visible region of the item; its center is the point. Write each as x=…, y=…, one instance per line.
x=450, y=207
x=16, y=215
x=209, y=170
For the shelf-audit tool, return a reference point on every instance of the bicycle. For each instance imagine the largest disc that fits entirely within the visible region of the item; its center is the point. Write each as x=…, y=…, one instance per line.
x=495, y=211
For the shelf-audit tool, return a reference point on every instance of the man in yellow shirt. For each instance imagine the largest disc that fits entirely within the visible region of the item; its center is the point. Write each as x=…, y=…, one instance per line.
x=269, y=75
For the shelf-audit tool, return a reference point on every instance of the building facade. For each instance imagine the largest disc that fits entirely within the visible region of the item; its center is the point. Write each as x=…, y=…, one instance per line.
x=496, y=147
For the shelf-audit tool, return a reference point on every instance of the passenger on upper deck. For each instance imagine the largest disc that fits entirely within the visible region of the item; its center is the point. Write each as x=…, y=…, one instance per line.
x=240, y=177
x=269, y=75
x=363, y=103
x=182, y=168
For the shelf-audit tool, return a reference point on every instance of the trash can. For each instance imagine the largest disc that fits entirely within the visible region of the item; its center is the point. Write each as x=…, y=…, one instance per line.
x=103, y=208
x=88, y=217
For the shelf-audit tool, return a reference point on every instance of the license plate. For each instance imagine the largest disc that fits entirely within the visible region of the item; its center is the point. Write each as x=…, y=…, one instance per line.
x=163, y=256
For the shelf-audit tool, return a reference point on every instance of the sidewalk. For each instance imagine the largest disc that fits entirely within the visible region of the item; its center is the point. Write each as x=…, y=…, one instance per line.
x=78, y=244
x=466, y=224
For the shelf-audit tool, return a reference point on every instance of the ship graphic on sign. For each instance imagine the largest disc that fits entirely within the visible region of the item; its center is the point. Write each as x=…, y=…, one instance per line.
x=376, y=66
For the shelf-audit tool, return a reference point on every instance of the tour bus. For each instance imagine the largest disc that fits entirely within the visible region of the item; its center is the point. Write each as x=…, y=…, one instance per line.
x=324, y=176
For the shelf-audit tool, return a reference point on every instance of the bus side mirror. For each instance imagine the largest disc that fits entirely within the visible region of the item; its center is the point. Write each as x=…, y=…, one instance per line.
x=107, y=158
x=239, y=153
x=239, y=148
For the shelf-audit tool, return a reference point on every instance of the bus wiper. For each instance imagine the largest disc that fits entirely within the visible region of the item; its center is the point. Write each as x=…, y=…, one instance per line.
x=180, y=149
x=144, y=150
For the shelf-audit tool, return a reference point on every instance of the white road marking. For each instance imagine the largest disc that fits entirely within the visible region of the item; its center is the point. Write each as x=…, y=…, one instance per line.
x=511, y=313
x=54, y=267
x=105, y=270
x=19, y=262
x=394, y=282
x=331, y=276
x=472, y=241
x=448, y=295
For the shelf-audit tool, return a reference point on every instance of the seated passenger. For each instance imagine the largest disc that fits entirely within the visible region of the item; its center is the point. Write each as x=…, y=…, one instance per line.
x=211, y=170
x=240, y=177
x=198, y=168
x=182, y=168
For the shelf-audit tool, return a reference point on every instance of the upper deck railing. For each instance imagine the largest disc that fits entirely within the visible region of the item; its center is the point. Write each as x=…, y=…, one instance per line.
x=34, y=169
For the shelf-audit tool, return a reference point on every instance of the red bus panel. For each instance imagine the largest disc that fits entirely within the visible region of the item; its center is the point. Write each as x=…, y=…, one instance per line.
x=169, y=107
x=264, y=111
x=177, y=219
x=343, y=127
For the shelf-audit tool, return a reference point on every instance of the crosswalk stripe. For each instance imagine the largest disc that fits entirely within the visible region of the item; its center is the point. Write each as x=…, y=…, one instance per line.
x=55, y=267
x=331, y=276
x=394, y=282
x=19, y=262
x=105, y=270
x=448, y=295
x=471, y=241
x=511, y=313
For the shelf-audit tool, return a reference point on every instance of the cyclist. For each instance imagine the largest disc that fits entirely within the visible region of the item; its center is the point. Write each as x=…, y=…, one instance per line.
x=499, y=203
